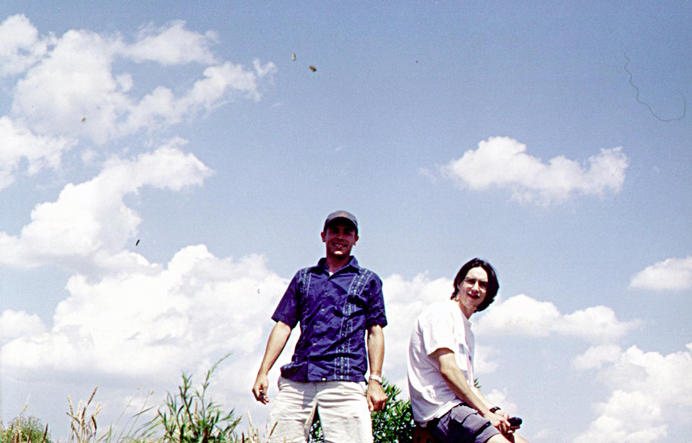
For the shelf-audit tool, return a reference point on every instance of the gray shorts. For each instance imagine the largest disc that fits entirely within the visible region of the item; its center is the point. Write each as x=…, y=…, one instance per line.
x=462, y=424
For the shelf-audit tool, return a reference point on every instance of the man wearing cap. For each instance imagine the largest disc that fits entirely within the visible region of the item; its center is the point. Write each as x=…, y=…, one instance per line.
x=337, y=303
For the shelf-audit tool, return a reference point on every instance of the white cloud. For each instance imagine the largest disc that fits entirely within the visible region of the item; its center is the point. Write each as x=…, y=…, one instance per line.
x=15, y=324
x=89, y=224
x=74, y=90
x=20, y=45
x=485, y=360
x=523, y=315
x=595, y=324
x=149, y=323
x=647, y=390
x=404, y=301
x=74, y=81
x=143, y=323
x=669, y=274
x=18, y=143
x=263, y=70
x=141, y=328
x=500, y=397
x=171, y=44
x=596, y=356
x=503, y=162
x=162, y=108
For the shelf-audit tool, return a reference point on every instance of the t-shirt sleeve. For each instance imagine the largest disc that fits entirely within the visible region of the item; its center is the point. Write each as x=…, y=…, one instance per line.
x=287, y=310
x=376, y=314
x=437, y=330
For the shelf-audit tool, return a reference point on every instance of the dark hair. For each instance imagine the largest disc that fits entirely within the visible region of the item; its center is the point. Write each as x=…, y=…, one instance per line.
x=493, y=284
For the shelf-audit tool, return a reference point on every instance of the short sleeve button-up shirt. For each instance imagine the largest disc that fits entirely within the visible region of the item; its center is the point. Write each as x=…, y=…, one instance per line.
x=334, y=311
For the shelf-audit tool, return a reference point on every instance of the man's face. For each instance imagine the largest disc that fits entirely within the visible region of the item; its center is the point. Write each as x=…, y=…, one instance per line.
x=339, y=237
x=472, y=290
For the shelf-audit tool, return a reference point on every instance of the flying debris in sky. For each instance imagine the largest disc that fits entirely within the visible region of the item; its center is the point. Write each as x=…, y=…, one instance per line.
x=83, y=119
x=137, y=242
x=312, y=68
x=293, y=56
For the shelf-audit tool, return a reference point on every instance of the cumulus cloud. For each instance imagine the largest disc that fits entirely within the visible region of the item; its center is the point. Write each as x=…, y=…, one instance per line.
x=596, y=356
x=171, y=44
x=141, y=328
x=89, y=224
x=647, y=390
x=500, y=397
x=669, y=274
x=20, y=144
x=20, y=45
x=523, y=315
x=73, y=89
x=15, y=324
x=144, y=323
x=504, y=163
x=404, y=301
x=162, y=108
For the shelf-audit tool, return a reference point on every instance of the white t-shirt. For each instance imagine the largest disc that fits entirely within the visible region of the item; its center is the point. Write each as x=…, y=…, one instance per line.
x=441, y=325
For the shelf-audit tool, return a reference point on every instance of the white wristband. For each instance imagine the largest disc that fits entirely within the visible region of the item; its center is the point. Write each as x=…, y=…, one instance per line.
x=377, y=378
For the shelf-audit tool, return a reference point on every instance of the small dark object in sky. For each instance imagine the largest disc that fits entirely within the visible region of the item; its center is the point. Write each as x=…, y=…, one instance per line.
x=83, y=119
x=312, y=68
x=293, y=56
x=137, y=242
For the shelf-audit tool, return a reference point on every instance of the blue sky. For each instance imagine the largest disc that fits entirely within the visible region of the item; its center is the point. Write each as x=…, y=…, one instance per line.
x=552, y=139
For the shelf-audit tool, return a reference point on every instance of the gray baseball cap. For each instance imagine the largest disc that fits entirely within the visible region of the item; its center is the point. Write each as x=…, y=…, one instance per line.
x=345, y=215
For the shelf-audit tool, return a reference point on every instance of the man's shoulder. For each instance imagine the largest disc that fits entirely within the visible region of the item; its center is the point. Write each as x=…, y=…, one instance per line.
x=440, y=305
x=369, y=273
x=437, y=310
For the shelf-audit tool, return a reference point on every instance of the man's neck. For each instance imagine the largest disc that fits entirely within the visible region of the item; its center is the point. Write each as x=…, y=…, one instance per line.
x=334, y=263
x=465, y=311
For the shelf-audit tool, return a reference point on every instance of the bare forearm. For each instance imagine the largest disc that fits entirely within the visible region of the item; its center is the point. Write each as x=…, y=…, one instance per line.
x=375, y=349
x=275, y=344
x=483, y=398
x=457, y=382
x=376, y=396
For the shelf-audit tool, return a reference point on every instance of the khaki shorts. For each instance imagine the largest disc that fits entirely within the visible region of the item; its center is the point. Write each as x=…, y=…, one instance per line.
x=342, y=407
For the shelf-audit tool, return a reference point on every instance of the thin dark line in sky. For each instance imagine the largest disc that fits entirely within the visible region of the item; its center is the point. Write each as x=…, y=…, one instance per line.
x=651, y=109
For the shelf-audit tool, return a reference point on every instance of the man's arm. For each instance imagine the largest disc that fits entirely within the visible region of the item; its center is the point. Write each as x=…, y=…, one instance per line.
x=456, y=380
x=375, y=395
x=275, y=344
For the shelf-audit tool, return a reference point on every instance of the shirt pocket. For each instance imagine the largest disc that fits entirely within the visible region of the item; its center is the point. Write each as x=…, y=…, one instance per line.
x=355, y=304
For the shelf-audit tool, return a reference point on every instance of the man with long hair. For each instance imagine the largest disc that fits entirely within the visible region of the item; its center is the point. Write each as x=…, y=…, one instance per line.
x=444, y=398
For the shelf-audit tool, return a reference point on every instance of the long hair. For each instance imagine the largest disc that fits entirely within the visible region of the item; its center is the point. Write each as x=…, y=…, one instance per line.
x=493, y=284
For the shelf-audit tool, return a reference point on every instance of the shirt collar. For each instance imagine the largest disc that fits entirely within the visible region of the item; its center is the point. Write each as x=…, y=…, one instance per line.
x=459, y=314
x=321, y=265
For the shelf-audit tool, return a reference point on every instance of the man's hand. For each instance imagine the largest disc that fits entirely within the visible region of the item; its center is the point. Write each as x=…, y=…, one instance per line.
x=376, y=396
x=501, y=421
x=259, y=390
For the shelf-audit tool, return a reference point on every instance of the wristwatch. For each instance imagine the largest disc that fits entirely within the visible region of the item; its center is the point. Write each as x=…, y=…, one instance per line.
x=377, y=378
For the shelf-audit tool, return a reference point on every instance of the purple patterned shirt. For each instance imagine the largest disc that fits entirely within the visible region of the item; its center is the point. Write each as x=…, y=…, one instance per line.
x=334, y=313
